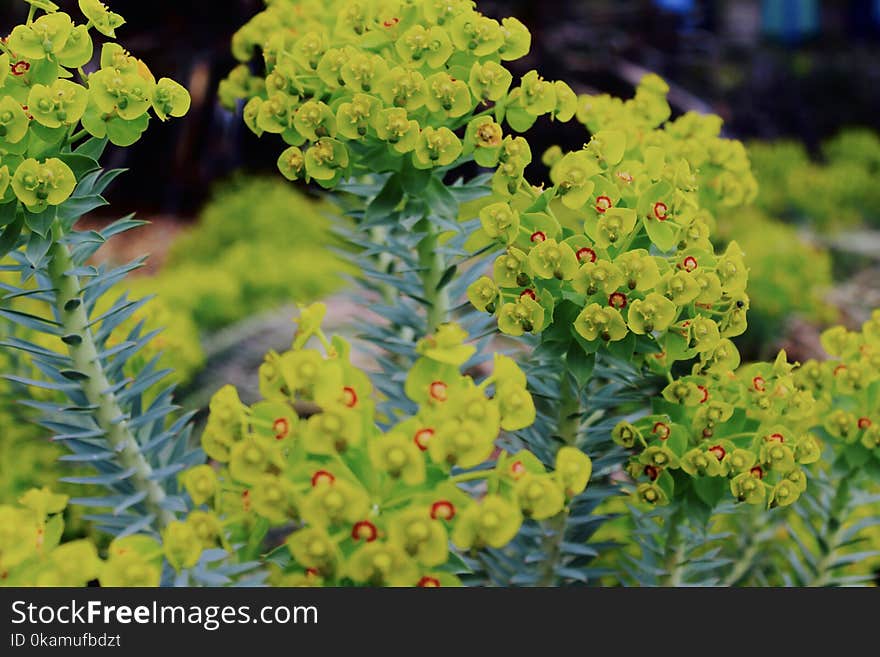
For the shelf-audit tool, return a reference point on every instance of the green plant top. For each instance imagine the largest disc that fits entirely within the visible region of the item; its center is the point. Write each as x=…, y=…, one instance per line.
x=374, y=507
x=376, y=86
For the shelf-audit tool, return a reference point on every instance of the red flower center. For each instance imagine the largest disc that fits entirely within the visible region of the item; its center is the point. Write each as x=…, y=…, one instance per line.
x=20, y=68
x=617, y=300
x=281, y=427
x=839, y=369
x=438, y=391
x=422, y=438
x=364, y=531
x=322, y=476
x=517, y=469
x=246, y=500
x=775, y=438
x=538, y=236
x=391, y=22
x=689, y=263
x=349, y=397
x=759, y=384
x=718, y=451
x=443, y=509
x=661, y=430
x=661, y=211
x=864, y=423
x=429, y=582
x=705, y=391
x=652, y=472
x=528, y=293
x=757, y=472
x=584, y=253
x=603, y=203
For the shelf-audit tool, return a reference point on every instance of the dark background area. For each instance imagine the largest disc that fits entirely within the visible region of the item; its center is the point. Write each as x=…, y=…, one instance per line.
x=772, y=68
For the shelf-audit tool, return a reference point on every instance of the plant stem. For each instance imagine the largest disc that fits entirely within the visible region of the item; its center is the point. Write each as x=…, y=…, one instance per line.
x=568, y=427
x=432, y=264
x=675, y=549
x=833, y=528
x=84, y=354
x=472, y=476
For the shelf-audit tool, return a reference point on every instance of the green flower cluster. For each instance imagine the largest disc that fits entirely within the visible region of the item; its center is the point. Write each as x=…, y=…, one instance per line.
x=42, y=107
x=32, y=554
x=847, y=388
x=746, y=431
x=617, y=249
x=721, y=167
x=382, y=85
x=373, y=507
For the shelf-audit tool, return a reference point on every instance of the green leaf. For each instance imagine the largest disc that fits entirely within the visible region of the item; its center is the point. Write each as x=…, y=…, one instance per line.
x=666, y=483
x=8, y=212
x=440, y=200
x=414, y=180
x=74, y=208
x=662, y=234
x=678, y=441
x=623, y=349
x=41, y=222
x=10, y=234
x=580, y=364
x=80, y=164
x=447, y=277
x=710, y=490
x=388, y=198
x=92, y=148
x=856, y=455
x=37, y=248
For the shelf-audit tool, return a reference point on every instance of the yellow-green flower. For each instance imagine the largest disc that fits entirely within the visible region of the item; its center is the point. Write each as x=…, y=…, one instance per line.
x=595, y=322
x=539, y=496
x=492, y=522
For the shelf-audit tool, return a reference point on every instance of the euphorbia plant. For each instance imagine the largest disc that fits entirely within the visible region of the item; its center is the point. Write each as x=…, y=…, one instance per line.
x=55, y=120
x=370, y=506
x=605, y=279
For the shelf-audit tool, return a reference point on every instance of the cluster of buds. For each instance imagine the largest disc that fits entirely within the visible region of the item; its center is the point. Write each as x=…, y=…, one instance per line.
x=372, y=506
x=379, y=86
x=749, y=428
x=623, y=238
x=847, y=387
x=42, y=106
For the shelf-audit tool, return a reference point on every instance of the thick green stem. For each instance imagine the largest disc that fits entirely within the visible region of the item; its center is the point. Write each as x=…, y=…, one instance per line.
x=108, y=413
x=568, y=427
x=432, y=267
x=675, y=549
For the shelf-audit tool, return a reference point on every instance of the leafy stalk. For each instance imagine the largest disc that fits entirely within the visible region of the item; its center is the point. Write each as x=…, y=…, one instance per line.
x=89, y=371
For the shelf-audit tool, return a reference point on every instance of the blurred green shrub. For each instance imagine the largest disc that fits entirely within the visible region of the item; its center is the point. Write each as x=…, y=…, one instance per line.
x=840, y=191
x=258, y=244
x=788, y=275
